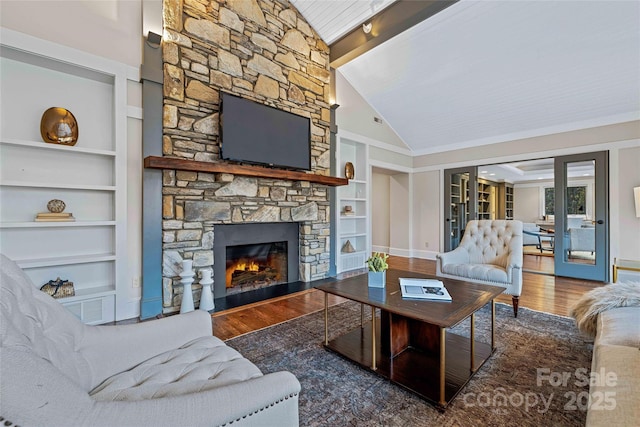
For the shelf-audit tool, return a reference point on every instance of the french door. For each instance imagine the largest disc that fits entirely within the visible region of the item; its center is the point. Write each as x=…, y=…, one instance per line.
x=582, y=216
x=460, y=203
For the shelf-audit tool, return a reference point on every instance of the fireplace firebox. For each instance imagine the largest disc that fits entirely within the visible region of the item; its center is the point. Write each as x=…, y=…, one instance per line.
x=255, y=266
x=253, y=256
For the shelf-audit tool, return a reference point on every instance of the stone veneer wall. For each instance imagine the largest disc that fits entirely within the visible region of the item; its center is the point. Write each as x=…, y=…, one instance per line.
x=265, y=51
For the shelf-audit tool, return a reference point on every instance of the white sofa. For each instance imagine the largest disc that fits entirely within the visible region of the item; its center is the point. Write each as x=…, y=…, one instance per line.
x=614, y=395
x=490, y=252
x=56, y=371
x=611, y=315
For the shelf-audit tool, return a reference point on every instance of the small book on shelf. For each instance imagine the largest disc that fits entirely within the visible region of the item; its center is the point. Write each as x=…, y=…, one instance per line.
x=54, y=216
x=428, y=289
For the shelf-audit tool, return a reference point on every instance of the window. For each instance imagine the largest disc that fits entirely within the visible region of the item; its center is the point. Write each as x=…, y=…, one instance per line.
x=576, y=200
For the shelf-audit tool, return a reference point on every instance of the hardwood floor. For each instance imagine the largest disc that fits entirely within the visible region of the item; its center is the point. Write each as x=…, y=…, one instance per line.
x=539, y=292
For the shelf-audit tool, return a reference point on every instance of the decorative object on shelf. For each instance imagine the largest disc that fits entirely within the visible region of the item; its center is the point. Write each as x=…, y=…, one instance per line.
x=59, y=126
x=206, y=297
x=56, y=206
x=349, y=171
x=59, y=288
x=378, y=266
x=186, y=278
x=348, y=211
x=59, y=217
x=347, y=248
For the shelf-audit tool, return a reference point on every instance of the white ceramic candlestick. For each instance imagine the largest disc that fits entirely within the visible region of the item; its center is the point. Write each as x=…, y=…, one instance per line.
x=206, y=298
x=186, y=278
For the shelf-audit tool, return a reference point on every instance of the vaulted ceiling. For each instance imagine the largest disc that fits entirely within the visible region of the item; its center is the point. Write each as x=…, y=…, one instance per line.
x=481, y=72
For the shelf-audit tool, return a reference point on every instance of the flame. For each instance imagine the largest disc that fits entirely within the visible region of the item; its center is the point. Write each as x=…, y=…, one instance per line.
x=246, y=266
x=242, y=264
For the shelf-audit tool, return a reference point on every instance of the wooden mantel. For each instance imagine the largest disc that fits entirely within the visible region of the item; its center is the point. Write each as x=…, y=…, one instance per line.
x=156, y=162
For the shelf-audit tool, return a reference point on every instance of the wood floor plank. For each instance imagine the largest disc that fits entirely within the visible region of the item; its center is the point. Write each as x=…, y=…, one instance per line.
x=540, y=292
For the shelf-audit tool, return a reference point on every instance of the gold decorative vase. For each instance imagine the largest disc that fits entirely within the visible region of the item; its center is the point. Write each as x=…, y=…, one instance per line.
x=349, y=171
x=59, y=126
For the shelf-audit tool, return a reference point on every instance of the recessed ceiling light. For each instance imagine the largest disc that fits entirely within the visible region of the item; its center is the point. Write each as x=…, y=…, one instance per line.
x=586, y=174
x=484, y=171
x=540, y=177
x=492, y=174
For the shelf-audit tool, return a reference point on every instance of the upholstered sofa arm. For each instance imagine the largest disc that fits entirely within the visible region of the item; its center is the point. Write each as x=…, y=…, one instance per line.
x=50, y=395
x=113, y=349
x=456, y=256
x=268, y=400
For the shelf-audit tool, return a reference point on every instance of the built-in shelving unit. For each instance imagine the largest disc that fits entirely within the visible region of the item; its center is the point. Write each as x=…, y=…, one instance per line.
x=89, y=177
x=487, y=199
x=508, y=201
x=353, y=227
x=459, y=196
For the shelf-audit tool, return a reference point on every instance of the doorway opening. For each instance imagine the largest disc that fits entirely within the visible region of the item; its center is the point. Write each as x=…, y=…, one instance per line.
x=562, y=203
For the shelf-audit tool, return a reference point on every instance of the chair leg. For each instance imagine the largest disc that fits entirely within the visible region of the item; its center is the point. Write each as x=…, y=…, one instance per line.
x=515, y=301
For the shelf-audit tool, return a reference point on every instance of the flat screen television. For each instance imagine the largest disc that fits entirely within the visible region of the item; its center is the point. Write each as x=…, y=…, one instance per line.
x=256, y=133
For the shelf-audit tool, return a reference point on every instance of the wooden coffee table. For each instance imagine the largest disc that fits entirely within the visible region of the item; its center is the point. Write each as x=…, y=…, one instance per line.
x=411, y=345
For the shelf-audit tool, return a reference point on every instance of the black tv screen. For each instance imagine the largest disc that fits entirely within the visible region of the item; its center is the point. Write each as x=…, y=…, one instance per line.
x=255, y=133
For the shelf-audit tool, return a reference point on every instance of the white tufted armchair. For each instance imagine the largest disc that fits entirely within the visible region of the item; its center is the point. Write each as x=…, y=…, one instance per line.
x=491, y=253
x=57, y=371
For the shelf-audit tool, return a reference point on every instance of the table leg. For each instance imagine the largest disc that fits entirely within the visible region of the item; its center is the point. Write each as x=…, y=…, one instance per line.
x=472, y=340
x=615, y=273
x=361, y=315
x=326, y=318
x=373, y=338
x=443, y=342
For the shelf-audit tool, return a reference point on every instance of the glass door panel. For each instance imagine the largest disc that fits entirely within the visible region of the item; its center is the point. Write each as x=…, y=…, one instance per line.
x=460, y=204
x=581, y=216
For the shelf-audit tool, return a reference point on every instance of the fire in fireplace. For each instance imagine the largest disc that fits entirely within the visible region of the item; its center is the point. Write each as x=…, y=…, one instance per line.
x=272, y=246
x=255, y=266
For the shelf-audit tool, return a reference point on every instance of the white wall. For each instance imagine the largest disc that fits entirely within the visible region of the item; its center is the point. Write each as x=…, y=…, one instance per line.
x=427, y=214
x=400, y=215
x=625, y=177
x=111, y=29
x=356, y=115
x=380, y=218
x=526, y=203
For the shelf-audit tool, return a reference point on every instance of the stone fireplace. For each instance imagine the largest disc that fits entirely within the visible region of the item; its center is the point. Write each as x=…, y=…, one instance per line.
x=264, y=51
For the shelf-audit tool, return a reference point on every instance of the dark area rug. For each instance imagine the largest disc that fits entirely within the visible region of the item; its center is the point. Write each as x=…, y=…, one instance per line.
x=536, y=377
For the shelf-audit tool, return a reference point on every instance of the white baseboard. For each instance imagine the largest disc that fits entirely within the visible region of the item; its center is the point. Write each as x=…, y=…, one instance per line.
x=400, y=252
x=424, y=254
x=129, y=310
x=406, y=253
x=384, y=249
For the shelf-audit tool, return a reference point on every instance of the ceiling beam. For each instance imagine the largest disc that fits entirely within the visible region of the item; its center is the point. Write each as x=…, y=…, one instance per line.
x=389, y=22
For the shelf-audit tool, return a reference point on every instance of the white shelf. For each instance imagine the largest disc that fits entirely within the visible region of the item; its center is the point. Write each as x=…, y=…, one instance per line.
x=353, y=253
x=51, y=224
x=353, y=199
x=353, y=217
x=348, y=235
x=357, y=181
x=45, y=146
x=69, y=260
x=83, y=294
x=58, y=186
